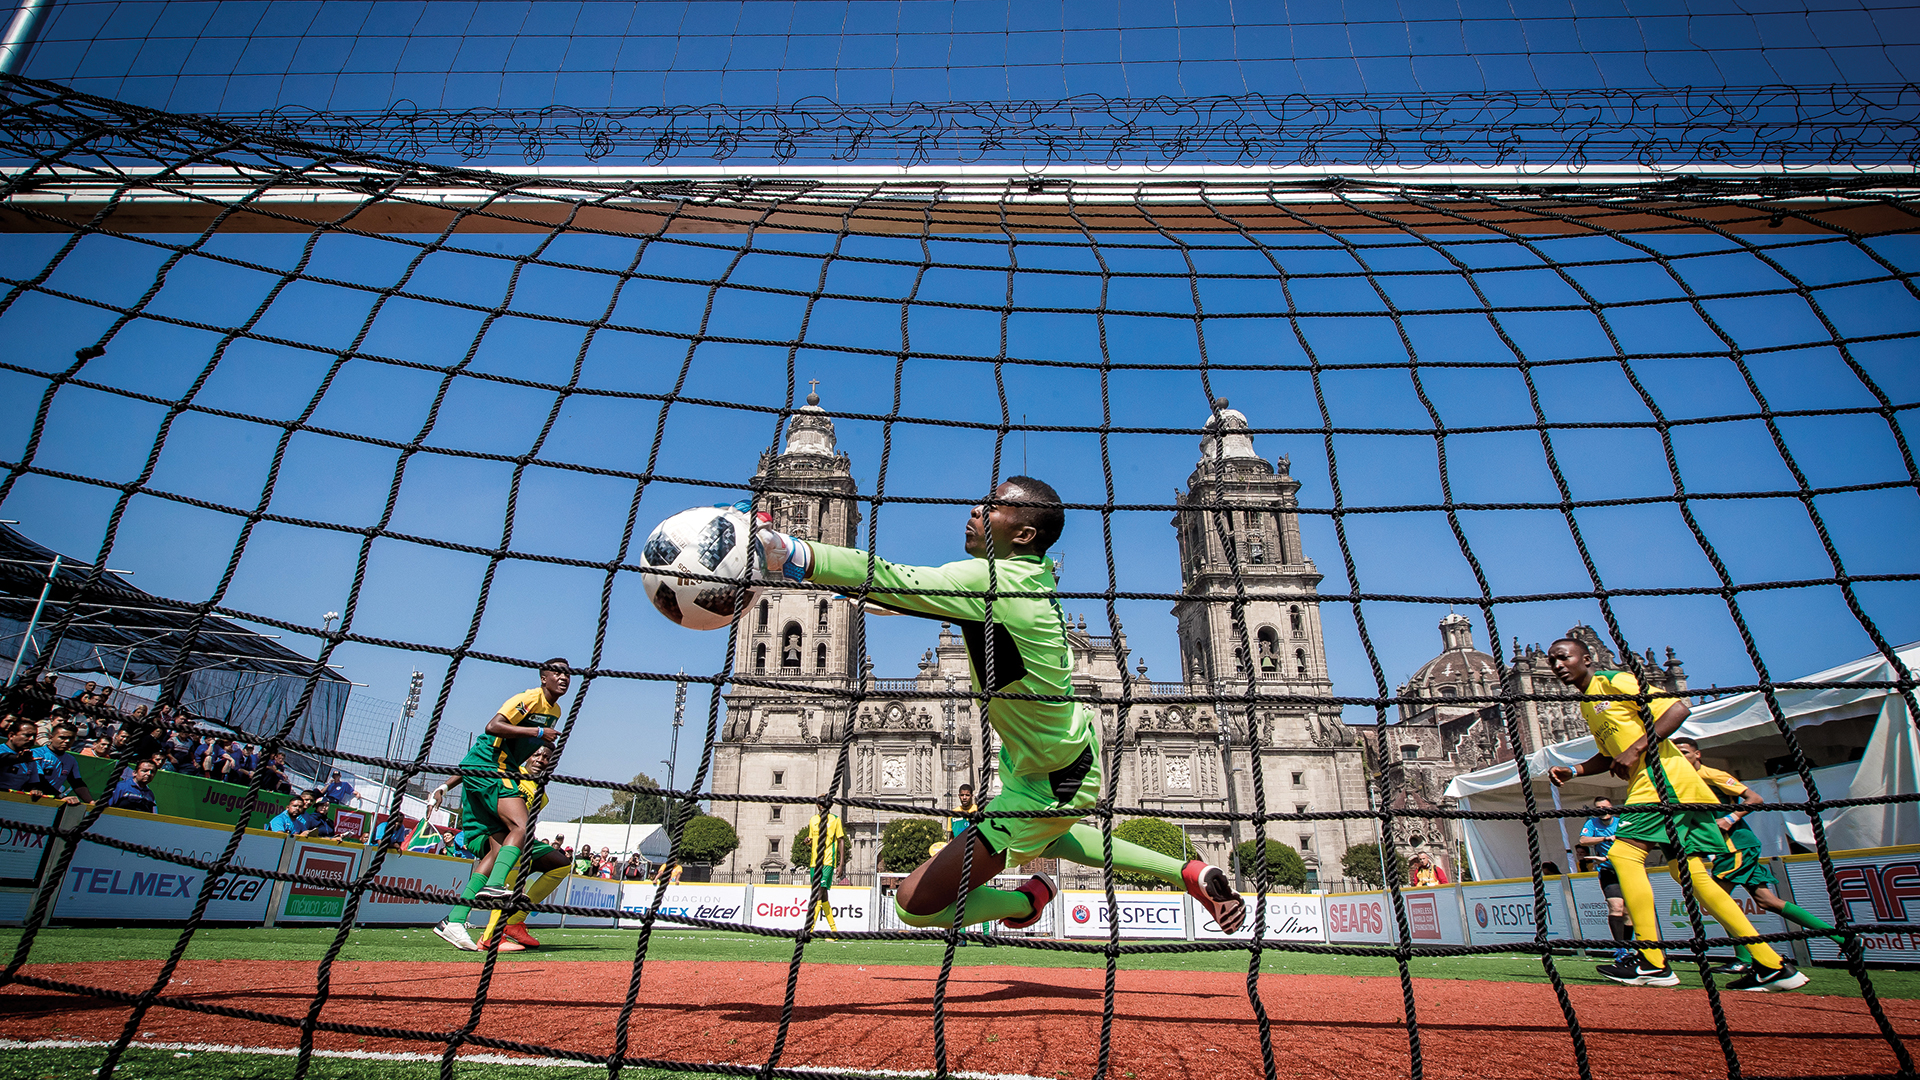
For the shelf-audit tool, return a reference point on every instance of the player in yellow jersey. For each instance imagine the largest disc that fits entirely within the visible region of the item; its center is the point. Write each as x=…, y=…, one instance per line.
x=827, y=849
x=1633, y=742
x=493, y=797
x=1744, y=865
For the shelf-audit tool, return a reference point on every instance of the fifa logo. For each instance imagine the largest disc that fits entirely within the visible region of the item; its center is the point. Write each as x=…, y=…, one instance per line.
x=1886, y=888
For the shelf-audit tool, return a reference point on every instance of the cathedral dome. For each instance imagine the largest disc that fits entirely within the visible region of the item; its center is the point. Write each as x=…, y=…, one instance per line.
x=1460, y=670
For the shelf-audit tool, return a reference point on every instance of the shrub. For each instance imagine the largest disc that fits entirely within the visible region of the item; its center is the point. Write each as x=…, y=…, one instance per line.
x=1153, y=834
x=707, y=839
x=1284, y=865
x=1362, y=863
x=903, y=843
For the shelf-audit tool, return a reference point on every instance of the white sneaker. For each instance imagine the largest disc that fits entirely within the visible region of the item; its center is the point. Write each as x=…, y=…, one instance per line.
x=455, y=935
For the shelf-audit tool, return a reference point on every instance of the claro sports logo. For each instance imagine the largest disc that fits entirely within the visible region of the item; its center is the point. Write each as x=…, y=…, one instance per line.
x=768, y=909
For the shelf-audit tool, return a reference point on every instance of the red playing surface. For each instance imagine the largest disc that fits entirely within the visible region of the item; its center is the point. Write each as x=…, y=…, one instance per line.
x=1032, y=1021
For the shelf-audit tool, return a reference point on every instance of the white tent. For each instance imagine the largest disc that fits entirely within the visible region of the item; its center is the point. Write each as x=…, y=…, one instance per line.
x=1860, y=737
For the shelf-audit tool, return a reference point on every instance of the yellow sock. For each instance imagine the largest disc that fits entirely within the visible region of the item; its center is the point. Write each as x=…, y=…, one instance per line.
x=825, y=908
x=542, y=888
x=1630, y=864
x=1724, y=910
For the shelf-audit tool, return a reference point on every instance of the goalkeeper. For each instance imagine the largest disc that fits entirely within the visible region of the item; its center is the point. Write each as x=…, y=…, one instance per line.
x=1049, y=743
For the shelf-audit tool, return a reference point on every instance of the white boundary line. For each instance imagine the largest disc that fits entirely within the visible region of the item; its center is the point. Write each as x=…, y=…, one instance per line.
x=465, y=1059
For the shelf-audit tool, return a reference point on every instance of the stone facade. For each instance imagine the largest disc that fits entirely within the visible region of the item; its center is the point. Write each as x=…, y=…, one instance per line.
x=917, y=750
x=1447, y=725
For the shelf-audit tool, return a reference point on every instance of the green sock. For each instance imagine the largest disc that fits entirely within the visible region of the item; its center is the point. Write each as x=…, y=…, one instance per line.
x=1082, y=844
x=984, y=904
x=503, y=864
x=1743, y=953
x=459, y=912
x=1811, y=921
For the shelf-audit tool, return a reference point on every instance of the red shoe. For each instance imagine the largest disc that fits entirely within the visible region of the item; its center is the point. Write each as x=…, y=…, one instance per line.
x=1208, y=884
x=1040, y=892
x=507, y=944
x=518, y=932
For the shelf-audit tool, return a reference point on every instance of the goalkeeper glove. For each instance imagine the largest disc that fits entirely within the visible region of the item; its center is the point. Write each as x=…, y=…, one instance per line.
x=780, y=555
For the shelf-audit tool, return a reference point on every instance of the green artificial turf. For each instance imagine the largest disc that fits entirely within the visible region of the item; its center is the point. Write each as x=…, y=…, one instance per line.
x=80, y=1063
x=60, y=945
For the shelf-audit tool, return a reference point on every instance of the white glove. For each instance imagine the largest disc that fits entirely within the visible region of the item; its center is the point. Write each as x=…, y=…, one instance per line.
x=779, y=555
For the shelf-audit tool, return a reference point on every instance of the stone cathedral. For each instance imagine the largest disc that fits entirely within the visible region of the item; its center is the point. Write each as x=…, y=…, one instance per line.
x=916, y=751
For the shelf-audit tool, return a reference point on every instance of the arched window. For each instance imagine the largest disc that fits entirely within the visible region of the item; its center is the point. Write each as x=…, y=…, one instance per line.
x=820, y=657
x=760, y=657
x=823, y=614
x=790, y=646
x=1269, y=651
x=1300, y=661
x=1293, y=618
x=1448, y=691
x=762, y=624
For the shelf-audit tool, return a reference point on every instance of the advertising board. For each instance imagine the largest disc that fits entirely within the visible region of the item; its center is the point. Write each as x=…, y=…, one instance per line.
x=22, y=851
x=1290, y=917
x=433, y=872
x=105, y=882
x=586, y=892
x=685, y=900
x=1142, y=914
x=784, y=907
x=1502, y=911
x=1879, y=885
x=328, y=860
x=1672, y=907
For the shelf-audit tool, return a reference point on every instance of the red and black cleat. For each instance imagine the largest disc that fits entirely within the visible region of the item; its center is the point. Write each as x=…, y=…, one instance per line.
x=1208, y=884
x=1039, y=889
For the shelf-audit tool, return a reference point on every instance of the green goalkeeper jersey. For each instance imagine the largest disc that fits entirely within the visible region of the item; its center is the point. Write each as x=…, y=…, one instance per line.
x=1030, y=652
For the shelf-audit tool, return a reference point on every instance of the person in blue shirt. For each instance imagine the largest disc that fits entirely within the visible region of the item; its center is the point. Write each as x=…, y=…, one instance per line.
x=19, y=769
x=339, y=791
x=288, y=820
x=184, y=751
x=132, y=793
x=60, y=770
x=312, y=822
x=1596, y=840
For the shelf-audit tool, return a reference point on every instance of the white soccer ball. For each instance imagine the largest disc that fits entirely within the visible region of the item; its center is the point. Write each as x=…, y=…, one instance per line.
x=707, y=541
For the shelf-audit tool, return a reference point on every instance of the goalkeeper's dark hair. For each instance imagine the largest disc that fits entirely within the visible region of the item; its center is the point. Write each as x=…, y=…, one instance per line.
x=558, y=663
x=1047, y=520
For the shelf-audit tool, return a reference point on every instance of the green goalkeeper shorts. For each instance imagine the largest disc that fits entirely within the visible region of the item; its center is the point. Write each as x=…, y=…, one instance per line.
x=1075, y=787
x=1743, y=866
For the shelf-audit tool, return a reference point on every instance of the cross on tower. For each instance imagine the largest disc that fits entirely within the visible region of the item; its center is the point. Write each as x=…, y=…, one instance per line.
x=813, y=385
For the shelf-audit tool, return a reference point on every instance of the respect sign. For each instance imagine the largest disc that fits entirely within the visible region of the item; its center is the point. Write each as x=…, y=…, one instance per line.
x=1141, y=914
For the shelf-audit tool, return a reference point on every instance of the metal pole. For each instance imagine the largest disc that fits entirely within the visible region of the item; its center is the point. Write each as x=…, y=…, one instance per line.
x=397, y=740
x=1225, y=734
x=673, y=749
x=21, y=33
x=53, y=570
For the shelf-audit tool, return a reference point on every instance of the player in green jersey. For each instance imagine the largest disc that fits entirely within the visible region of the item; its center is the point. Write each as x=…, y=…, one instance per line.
x=1049, y=743
x=496, y=798
x=1745, y=865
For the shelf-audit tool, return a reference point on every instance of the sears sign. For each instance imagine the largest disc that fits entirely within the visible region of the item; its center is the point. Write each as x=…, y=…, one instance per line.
x=1142, y=914
x=1357, y=917
x=108, y=883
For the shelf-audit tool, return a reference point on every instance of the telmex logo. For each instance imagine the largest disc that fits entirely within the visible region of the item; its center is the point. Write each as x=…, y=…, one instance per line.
x=703, y=911
x=1081, y=914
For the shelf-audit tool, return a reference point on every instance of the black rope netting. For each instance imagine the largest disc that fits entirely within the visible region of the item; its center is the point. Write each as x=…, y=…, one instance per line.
x=1120, y=254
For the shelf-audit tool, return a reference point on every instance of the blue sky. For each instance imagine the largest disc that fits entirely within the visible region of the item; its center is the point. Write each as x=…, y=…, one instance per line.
x=242, y=57
x=419, y=593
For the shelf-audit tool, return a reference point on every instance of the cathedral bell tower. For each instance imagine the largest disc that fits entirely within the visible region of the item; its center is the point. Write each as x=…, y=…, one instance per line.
x=1236, y=500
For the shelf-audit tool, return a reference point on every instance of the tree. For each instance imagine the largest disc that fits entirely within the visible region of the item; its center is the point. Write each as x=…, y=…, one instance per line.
x=707, y=839
x=1284, y=865
x=1153, y=834
x=903, y=843
x=647, y=809
x=1362, y=863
